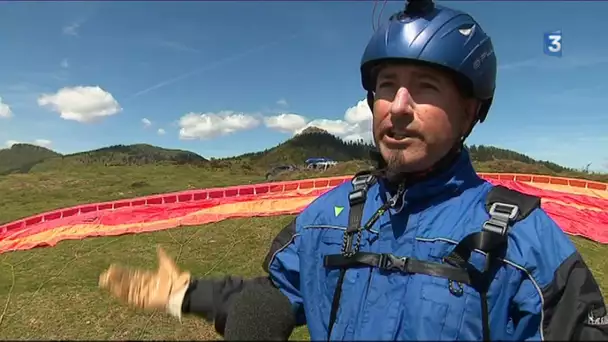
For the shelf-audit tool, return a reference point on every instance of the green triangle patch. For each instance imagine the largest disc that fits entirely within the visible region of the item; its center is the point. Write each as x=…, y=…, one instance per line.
x=338, y=210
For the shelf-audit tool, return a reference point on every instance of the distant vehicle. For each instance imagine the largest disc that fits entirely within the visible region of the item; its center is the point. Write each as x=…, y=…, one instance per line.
x=278, y=169
x=316, y=160
x=319, y=163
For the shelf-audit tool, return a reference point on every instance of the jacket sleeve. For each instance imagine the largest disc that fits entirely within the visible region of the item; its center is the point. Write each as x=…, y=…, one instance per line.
x=574, y=308
x=283, y=266
x=560, y=299
x=211, y=298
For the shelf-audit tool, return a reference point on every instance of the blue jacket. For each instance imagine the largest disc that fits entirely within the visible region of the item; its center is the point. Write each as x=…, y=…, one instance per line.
x=543, y=289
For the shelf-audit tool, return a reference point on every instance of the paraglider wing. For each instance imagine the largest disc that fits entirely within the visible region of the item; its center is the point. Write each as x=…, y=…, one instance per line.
x=579, y=207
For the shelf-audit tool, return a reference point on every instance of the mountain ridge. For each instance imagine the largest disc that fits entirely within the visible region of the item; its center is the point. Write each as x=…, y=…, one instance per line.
x=312, y=142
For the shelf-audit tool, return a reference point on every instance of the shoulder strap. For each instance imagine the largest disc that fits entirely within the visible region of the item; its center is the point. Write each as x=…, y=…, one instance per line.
x=506, y=207
x=356, y=198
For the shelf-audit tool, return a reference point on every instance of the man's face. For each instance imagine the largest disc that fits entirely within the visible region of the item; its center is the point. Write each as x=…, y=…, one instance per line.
x=419, y=115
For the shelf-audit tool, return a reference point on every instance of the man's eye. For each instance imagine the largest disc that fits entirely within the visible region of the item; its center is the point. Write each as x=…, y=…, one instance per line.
x=383, y=85
x=426, y=85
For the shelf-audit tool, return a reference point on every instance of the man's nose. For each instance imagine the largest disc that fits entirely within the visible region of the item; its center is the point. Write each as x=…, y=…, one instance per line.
x=403, y=104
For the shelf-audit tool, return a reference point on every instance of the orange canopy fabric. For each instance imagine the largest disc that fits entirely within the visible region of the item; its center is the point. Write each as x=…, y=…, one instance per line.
x=579, y=207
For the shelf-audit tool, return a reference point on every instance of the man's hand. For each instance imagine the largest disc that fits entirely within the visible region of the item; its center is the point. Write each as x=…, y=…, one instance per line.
x=163, y=289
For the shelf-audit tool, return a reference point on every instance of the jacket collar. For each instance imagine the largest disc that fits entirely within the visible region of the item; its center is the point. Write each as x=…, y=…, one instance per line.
x=448, y=182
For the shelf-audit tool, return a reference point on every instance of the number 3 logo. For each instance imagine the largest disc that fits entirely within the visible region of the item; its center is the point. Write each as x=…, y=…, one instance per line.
x=556, y=43
x=553, y=43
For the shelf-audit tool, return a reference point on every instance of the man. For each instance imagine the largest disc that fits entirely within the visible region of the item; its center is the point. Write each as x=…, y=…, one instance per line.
x=429, y=251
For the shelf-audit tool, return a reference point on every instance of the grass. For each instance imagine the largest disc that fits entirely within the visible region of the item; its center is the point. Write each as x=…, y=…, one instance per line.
x=32, y=193
x=51, y=293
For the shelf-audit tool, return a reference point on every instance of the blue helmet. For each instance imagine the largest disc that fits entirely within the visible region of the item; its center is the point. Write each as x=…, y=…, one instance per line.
x=438, y=36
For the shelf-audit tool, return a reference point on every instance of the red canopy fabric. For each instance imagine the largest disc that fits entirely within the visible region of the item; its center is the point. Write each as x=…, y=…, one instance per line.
x=579, y=207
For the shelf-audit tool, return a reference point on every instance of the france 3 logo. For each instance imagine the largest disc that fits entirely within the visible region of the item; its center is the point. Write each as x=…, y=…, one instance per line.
x=553, y=43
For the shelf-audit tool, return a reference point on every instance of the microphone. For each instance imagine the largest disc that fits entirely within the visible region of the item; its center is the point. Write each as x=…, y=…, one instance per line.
x=260, y=313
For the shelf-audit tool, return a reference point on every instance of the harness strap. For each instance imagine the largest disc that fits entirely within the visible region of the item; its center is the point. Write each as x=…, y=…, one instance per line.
x=390, y=262
x=485, y=241
x=356, y=199
x=505, y=207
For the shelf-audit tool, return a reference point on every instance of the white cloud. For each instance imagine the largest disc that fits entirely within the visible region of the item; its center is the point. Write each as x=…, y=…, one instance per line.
x=82, y=104
x=356, y=124
x=211, y=125
x=161, y=131
x=146, y=122
x=64, y=63
x=39, y=142
x=71, y=29
x=5, y=110
x=282, y=102
x=335, y=127
x=43, y=142
x=287, y=123
x=359, y=113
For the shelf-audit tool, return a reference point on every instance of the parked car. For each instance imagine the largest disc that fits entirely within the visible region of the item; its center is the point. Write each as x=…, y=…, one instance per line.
x=278, y=169
x=319, y=163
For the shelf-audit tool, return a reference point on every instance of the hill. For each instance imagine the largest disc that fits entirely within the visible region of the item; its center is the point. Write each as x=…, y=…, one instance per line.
x=315, y=142
x=484, y=154
x=312, y=142
x=20, y=158
x=138, y=154
x=34, y=158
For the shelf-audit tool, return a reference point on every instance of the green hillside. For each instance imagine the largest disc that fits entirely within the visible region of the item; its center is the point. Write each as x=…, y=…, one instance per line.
x=138, y=154
x=28, y=158
x=484, y=154
x=20, y=158
x=313, y=142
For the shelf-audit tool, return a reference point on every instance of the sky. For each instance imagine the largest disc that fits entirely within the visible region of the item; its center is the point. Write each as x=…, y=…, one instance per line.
x=222, y=79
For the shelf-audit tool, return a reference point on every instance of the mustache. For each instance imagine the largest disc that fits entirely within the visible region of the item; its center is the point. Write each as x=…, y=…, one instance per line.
x=389, y=130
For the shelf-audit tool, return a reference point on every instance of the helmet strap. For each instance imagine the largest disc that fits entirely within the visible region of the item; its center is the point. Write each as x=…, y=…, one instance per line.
x=370, y=101
x=479, y=117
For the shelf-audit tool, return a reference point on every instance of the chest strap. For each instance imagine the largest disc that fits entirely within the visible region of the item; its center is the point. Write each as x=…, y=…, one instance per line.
x=390, y=262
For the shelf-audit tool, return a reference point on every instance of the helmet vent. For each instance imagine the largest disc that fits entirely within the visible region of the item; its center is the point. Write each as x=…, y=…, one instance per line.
x=466, y=31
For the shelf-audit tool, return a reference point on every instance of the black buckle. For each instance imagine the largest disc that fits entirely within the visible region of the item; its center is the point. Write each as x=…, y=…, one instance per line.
x=503, y=210
x=391, y=262
x=362, y=181
x=359, y=193
x=357, y=196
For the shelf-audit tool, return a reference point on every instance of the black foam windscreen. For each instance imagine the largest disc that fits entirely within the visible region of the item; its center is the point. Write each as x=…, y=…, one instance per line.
x=260, y=313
